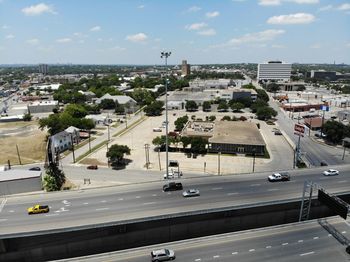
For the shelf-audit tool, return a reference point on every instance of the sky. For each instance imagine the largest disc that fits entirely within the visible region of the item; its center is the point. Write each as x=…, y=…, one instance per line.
x=201, y=31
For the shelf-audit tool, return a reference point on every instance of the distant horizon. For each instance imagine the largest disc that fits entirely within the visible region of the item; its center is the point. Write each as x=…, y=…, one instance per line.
x=134, y=32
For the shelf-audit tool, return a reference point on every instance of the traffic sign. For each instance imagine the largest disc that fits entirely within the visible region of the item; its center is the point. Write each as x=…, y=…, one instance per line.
x=325, y=108
x=299, y=130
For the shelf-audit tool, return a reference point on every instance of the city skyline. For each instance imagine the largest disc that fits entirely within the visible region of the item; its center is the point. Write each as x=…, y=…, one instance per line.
x=202, y=32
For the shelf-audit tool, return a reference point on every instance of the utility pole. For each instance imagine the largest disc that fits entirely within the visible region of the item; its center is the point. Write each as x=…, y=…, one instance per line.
x=166, y=55
x=109, y=138
x=147, y=155
x=253, y=162
x=71, y=139
x=89, y=141
x=219, y=163
x=19, y=157
x=160, y=167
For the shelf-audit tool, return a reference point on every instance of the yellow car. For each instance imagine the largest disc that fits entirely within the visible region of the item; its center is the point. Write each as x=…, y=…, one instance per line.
x=38, y=209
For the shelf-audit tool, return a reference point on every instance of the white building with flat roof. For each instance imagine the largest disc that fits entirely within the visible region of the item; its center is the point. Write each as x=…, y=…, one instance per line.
x=274, y=70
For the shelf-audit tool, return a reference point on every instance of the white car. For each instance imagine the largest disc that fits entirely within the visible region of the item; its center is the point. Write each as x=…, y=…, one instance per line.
x=283, y=176
x=162, y=255
x=173, y=174
x=191, y=193
x=331, y=172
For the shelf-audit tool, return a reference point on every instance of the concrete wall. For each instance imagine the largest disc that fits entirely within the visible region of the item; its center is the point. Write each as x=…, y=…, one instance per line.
x=65, y=243
x=20, y=186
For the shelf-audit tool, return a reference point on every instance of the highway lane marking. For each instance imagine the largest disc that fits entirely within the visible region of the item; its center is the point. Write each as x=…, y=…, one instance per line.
x=85, y=203
x=101, y=209
x=154, y=195
x=329, y=235
x=251, y=250
x=231, y=194
x=216, y=188
x=103, y=201
x=11, y=211
x=66, y=202
x=138, y=197
x=308, y=253
x=62, y=209
x=3, y=203
x=343, y=232
x=149, y=203
x=300, y=241
x=255, y=185
x=268, y=246
x=316, y=237
x=51, y=215
x=342, y=181
x=216, y=256
x=323, y=178
x=197, y=259
x=273, y=189
x=3, y=219
x=120, y=199
x=234, y=253
x=284, y=244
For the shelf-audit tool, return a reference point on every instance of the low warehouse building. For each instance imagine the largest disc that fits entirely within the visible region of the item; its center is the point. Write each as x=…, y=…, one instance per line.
x=237, y=137
x=15, y=181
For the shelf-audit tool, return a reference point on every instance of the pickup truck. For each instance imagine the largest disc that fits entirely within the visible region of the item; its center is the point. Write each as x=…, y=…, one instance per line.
x=173, y=174
x=38, y=209
x=279, y=177
x=172, y=186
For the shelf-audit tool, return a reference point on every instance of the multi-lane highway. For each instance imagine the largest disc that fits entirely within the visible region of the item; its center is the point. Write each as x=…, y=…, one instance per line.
x=297, y=242
x=76, y=208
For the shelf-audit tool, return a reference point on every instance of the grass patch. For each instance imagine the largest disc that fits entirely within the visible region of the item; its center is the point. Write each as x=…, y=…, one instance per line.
x=98, y=146
x=67, y=152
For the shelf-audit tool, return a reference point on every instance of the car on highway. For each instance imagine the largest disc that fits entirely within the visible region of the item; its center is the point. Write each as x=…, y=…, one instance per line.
x=37, y=209
x=191, y=193
x=93, y=167
x=331, y=172
x=35, y=168
x=162, y=255
x=276, y=177
x=172, y=186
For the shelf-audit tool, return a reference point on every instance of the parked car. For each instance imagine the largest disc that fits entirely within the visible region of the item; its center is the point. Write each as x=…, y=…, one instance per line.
x=35, y=168
x=173, y=163
x=278, y=132
x=162, y=255
x=191, y=193
x=279, y=177
x=331, y=172
x=320, y=135
x=92, y=167
x=173, y=174
x=157, y=129
x=172, y=186
x=323, y=163
x=37, y=209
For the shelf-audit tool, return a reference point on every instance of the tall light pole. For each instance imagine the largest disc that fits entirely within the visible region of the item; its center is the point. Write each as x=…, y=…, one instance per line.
x=165, y=55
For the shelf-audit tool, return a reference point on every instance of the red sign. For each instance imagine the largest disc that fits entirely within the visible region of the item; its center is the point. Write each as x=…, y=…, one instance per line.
x=299, y=129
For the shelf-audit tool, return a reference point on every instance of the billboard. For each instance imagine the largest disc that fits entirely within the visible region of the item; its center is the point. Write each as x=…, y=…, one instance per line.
x=299, y=129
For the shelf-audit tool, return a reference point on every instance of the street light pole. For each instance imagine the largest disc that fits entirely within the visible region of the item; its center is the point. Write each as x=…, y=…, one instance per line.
x=165, y=55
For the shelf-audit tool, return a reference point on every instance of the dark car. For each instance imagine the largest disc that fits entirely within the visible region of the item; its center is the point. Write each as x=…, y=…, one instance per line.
x=35, y=168
x=323, y=163
x=172, y=186
x=92, y=167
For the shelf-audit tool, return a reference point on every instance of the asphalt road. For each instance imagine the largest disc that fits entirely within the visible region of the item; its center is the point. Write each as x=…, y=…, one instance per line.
x=296, y=242
x=314, y=152
x=83, y=207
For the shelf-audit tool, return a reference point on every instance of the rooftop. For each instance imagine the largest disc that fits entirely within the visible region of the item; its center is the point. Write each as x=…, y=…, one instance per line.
x=16, y=174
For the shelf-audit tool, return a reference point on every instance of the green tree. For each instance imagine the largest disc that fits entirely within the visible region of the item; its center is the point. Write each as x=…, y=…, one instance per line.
x=265, y=113
x=154, y=109
x=335, y=131
x=159, y=141
x=86, y=124
x=273, y=88
x=76, y=110
x=191, y=106
x=198, y=145
x=180, y=122
x=212, y=118
x=185, y=140
x=142, y=96
x=54, y=179
x=107, y=104
x=27, y=117
x=257, y=104
x=206, y=106
x=119, y=109
x=226, y=118
x=223, y=106
x=262, y=95
x=237, y=106
x=116, y=154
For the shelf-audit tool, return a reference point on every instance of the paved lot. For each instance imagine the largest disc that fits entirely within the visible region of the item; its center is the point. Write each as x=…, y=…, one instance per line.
x=136, y=138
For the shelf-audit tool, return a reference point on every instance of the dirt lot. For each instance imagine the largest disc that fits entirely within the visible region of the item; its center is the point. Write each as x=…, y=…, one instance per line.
x=29, y=139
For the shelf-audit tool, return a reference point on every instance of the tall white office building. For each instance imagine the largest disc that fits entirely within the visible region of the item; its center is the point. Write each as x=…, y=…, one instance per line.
x=274, y=70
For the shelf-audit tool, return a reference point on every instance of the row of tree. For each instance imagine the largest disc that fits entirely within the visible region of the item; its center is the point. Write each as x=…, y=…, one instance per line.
x=197, y=144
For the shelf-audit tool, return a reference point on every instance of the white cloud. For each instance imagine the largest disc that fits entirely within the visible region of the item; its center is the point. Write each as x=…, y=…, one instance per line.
x=238, y=0
x=99, y=39
x=5, y=27
x=140, y=37
x=95, y=28
x=64, y=40
x=141, y=7
x=278, y=2
x=344, y=7
x=262, y=36
x=33, y=41
x=193, y=9
x=207, y=32
x=325, y=8
x=10, y=36
x=299, y=18
x=38, y=9
x=118, y=48
x=196, y=26
x=269, y=2
x=212, y=14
